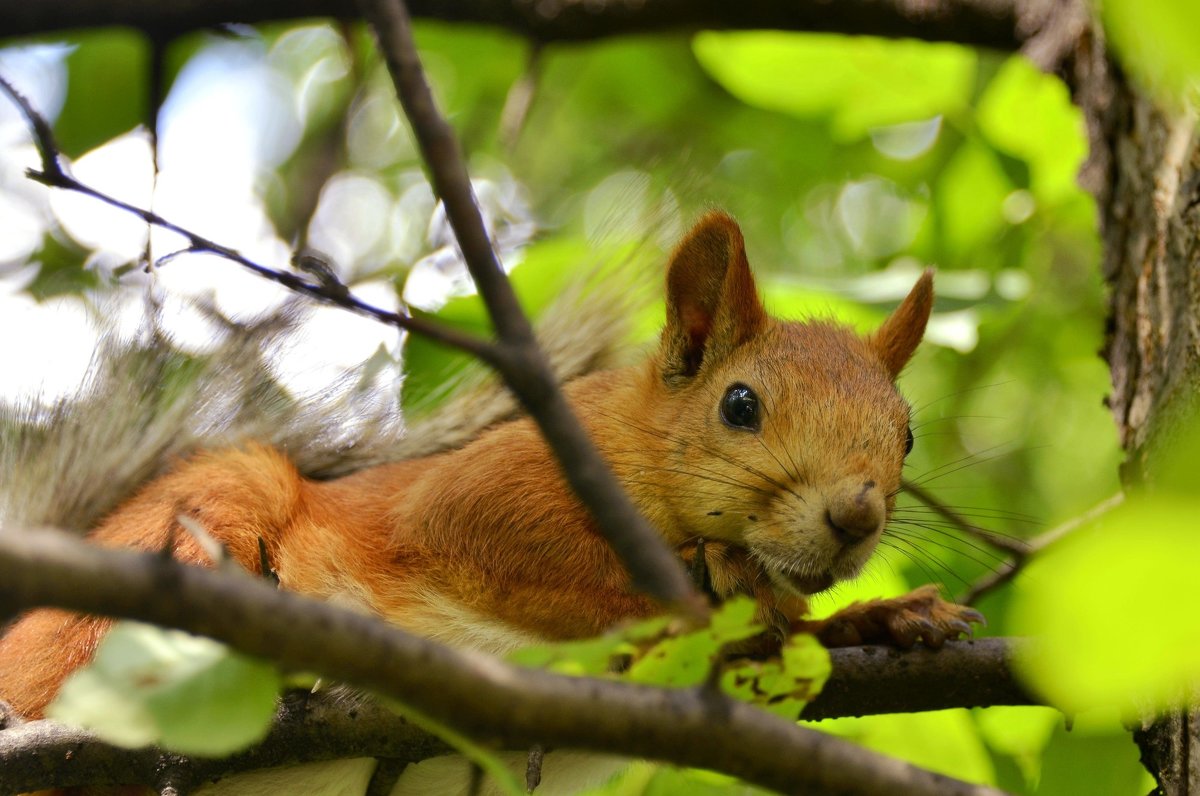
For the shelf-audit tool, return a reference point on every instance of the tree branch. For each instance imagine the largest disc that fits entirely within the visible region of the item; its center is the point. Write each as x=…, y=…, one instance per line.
x=319, y=727
x=999, y=24
x=472, y=693
x=306, y=730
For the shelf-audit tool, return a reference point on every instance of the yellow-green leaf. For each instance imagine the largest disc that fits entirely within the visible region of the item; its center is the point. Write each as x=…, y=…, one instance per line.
x=1157, y=40
x=864, y=82
x=188, y=694
x=1112, y=609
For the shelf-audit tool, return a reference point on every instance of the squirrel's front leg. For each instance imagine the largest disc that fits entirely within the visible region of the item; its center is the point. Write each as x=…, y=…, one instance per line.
x=921, y=615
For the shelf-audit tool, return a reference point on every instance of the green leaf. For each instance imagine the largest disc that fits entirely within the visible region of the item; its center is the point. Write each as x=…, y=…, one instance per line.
x=863, y=82
x=491, y=763
x=970, y=194
x=783, y=686
x=1093, y=761
x=946, y=741
x=687, y=659
x=1156, y=39
x=1029, y=115
x=668, y=781
x=589, y=657
x=658, y=657
x=1020, y=733
x=1112, y=609
x=786, y=300
x=188, y=694
x=100, y=101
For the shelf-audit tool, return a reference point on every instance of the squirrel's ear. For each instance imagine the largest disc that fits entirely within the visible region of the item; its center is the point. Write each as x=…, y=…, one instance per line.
x=900, y=334
x=712, y=303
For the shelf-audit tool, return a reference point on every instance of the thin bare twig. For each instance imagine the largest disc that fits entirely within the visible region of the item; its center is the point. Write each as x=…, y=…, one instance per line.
x=996, y=579
x=654, y=568
x=54, y=175
x=474, y=694
x=1015, y=547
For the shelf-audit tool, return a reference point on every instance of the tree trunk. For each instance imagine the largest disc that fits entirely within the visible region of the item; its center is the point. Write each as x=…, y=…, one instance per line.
x=1144, y=171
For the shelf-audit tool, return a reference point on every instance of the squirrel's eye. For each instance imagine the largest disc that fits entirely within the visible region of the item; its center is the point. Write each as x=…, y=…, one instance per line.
x=739, y=407
x=908, y=442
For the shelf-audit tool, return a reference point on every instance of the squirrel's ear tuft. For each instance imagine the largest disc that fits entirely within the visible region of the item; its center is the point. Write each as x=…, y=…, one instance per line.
x=897, y=339
x=712, y=303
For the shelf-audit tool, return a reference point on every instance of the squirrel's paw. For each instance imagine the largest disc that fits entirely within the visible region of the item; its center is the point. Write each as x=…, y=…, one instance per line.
x=921, y=615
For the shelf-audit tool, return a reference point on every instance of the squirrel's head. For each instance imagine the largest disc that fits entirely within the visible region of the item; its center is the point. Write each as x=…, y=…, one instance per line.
x=784, y=438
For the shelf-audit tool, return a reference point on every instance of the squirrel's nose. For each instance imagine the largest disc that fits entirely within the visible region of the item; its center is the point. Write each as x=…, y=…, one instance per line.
x=855, y=512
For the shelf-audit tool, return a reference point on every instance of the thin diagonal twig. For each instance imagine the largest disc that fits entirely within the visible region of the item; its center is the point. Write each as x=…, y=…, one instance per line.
x=54, y=175
x=996, y=579
x=1012, y=546
x=653, y=566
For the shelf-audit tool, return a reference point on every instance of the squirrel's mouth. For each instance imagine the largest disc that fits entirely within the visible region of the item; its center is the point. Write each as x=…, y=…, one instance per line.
x=790, y=578
x=806, y=577
x=809, y=584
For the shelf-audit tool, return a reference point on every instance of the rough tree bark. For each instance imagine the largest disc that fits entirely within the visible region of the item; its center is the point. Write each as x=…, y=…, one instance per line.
x=1144, y=170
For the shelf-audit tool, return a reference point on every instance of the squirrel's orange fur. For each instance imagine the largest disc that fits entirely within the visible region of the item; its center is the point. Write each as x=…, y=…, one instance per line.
x=485, y=546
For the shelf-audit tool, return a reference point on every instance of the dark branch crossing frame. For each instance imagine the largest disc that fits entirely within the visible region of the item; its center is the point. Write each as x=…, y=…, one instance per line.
x=1057, y=34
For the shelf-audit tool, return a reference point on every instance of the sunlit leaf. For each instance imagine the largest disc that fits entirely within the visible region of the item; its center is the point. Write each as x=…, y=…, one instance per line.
x=188, y=694
x=687, y=659
x=1104, y=761
x=970, y=194
x=488, y=760
x=669, y=781
x=788, y=300
x=945, y=741
x=1021, y=733
x=1029, y=114
x=863, y=82
x=1156, y=39
x=656, y=653
x=878, y=579
x=100, y=105
x=589, y=657
x=782, y=686
x=1099, y=645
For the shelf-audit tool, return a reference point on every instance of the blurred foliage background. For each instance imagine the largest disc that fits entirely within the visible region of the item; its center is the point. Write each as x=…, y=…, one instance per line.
x=851, y=163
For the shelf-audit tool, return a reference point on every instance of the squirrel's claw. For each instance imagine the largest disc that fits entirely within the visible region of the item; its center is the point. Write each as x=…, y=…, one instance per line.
x=922, y=615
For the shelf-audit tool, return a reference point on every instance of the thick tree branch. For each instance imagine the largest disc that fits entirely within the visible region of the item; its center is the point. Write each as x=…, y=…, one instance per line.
x=306, y=730
x=962, y=674
x=311, y=728
x=655, y=569
x=473, y=693
x=1000, y=24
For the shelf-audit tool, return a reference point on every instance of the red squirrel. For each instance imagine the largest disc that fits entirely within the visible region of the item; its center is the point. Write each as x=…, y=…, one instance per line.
x=779, y=444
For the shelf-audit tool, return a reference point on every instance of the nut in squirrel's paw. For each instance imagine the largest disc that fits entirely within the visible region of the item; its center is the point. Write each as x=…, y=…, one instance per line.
x=921, y=615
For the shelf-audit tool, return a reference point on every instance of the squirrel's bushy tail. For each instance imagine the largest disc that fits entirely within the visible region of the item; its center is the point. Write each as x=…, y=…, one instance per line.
x=145, y=403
